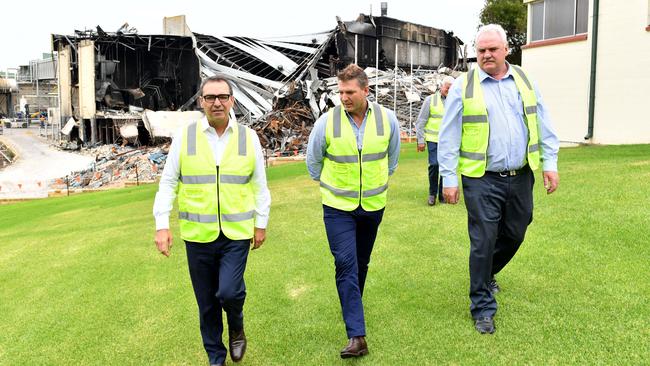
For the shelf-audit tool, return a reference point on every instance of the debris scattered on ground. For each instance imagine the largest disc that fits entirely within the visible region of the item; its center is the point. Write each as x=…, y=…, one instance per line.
x=117, y=165
x=283, y=131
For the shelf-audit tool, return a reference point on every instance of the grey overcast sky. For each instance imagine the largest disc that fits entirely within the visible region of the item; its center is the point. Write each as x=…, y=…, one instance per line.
x=27, y=25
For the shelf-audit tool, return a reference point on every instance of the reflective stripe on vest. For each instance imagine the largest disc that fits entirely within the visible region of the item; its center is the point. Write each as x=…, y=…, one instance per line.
x=207, y=206
x=436, y=112
x=476, y=128
x=351, y=177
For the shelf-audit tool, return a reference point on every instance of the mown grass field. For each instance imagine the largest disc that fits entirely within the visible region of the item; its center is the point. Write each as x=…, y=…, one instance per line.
x=82, y=283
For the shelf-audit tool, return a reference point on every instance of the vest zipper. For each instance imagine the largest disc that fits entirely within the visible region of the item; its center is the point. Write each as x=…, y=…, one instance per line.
x=218, y=201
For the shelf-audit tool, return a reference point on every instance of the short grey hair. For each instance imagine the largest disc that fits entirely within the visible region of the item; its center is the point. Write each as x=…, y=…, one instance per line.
x=215, y=78
x=494, y=28
x=448, y=80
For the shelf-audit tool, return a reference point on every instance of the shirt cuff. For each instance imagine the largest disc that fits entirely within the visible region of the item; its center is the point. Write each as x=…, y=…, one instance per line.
x=420, y=141
x=450, y=181
x=162, y=222
x=550, y=165
x=261, y=221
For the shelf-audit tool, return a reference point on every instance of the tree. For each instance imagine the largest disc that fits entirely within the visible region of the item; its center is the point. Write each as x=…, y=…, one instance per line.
x=511, y=15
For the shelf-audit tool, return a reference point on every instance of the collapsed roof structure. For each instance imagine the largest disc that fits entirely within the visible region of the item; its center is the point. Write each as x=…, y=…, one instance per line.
x=123, y=85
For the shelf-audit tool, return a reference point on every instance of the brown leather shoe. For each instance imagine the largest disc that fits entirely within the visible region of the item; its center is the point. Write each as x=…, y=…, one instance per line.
x=356, y=347
x=237, y=345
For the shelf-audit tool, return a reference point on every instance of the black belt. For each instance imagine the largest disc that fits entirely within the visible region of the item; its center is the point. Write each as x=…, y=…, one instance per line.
x=510, y=173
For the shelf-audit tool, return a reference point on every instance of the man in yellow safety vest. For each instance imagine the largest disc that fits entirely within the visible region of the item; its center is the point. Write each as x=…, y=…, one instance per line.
x=496, y=131
x=427, y=129
x=352, y=150
x=216, y=168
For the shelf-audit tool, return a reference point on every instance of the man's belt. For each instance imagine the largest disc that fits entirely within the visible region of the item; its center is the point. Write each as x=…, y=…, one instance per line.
x=510, y=173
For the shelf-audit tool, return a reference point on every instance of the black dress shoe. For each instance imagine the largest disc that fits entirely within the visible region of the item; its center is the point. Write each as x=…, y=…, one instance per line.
x=484, y=325
x=431, y=201
x=237, y=345
x=493, y=286
x=356, y=347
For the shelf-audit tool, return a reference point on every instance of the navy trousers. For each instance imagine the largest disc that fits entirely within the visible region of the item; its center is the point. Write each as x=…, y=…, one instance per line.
x=499, y=210
x=351, y=236
x=217, y=273
x=435, y=184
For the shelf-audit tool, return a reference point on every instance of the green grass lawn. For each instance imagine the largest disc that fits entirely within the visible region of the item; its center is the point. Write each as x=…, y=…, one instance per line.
x=82, y=283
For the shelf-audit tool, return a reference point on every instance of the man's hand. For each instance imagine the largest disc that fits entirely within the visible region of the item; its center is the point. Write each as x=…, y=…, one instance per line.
x=420, y=147
x=258, y=239
x=451, y=195
x=551, y=181
x=164, y=241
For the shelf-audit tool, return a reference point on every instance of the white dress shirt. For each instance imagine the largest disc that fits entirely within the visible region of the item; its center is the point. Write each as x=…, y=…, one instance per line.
x=169, y=180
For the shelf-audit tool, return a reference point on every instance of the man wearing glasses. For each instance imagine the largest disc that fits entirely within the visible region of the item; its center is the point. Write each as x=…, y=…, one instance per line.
x=216, y=165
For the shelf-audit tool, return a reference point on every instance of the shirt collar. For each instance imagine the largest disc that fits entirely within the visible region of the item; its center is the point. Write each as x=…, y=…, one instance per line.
x=370, y=108
x=482, y=75
x=205, y=125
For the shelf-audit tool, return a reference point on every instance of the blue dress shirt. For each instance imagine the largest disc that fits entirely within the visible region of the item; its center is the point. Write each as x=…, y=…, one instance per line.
x=317, y=144
x=508, y=139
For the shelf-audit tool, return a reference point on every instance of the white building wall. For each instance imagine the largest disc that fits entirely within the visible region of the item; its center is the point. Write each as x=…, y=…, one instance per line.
x=87, y=79
x=623, y=75
x=65, y=88
x=562, y=75
x=623, y=69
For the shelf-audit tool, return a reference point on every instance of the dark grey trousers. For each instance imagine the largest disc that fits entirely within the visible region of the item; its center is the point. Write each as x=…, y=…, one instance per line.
x=499, y=210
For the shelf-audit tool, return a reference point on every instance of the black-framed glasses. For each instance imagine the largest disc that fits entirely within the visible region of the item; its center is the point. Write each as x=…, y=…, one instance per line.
x=211, y=98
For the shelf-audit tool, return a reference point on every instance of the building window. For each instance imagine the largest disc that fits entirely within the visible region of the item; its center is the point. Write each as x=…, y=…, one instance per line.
x=558, y=18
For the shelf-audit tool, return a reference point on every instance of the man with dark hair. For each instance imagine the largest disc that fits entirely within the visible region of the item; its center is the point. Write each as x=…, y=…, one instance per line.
x=352, y=150
x=223, y=203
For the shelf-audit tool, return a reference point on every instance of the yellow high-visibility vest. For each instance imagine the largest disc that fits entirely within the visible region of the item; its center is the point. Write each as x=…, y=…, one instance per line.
x=436, y=111
x=351, y=177
x=476, y=129
x=212, y=198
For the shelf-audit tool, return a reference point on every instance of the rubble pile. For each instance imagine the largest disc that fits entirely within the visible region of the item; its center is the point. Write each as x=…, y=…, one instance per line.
x=6, y=155
x=116, y=165
x=285, y=131
x=411, y=91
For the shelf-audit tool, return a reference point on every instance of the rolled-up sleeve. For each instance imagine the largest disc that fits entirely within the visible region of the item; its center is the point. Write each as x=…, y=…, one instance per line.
x=316, y=148
x=450, y=134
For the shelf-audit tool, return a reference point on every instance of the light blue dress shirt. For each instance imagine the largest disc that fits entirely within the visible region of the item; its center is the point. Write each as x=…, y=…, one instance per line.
x=508, y=139
x=317, y=143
